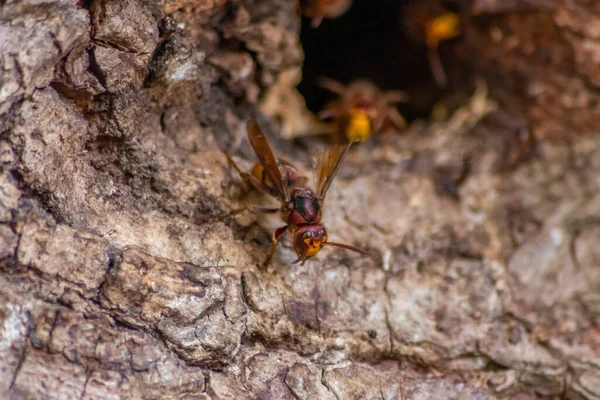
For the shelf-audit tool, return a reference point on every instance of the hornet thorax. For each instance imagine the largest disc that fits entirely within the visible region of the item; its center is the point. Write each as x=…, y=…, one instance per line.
x=305, y=208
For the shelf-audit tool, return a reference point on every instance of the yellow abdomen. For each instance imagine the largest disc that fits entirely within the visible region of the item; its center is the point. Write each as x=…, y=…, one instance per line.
x=359, y=125
x=443, y=27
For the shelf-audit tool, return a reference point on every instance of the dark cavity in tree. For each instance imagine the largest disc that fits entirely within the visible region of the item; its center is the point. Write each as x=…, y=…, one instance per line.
x=375, y=43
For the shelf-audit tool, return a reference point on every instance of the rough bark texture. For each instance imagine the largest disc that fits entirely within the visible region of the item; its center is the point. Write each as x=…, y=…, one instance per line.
x=484, y=283
x=544, y=56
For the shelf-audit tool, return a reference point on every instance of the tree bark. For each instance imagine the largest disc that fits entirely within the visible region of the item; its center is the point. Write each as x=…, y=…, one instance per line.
x=115, y=281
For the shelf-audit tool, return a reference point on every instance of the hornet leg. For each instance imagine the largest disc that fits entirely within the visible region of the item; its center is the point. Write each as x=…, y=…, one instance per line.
x=249, y=179
x=254, y=209
x=274, y=242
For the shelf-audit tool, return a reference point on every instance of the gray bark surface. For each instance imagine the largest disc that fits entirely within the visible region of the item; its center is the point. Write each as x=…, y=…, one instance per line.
x=484, y=281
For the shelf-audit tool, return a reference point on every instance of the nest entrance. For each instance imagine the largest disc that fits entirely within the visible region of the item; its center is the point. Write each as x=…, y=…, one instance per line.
x=374, y=42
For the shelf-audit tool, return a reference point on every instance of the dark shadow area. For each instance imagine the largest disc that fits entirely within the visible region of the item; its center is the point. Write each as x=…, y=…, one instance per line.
x=373, y=41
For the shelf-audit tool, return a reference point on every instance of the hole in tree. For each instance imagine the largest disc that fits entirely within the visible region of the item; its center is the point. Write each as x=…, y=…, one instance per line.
x=373, y=41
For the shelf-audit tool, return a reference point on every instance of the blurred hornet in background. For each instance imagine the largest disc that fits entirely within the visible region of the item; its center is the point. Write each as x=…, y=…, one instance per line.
x=300, y=206
x=432, y=23
x=362, y=109
x=319, y=9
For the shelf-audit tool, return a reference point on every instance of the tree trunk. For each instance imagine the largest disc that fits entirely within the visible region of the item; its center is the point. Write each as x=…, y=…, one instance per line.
x=117, y=282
